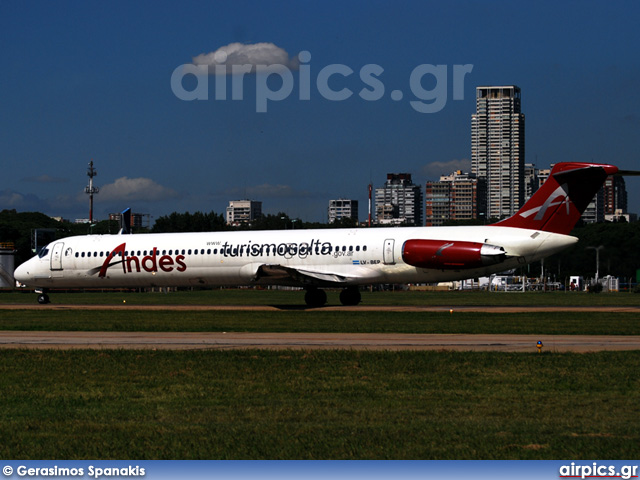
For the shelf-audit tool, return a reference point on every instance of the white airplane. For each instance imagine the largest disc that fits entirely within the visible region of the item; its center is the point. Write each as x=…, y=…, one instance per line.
x=314, y=259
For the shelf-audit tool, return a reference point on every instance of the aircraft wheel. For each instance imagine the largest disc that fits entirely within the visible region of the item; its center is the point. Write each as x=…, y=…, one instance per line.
x=350, y=296
x=315, y=297
x=43, y=299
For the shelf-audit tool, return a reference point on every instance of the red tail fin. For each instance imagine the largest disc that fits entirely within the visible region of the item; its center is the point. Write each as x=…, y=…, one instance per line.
x=560, y=201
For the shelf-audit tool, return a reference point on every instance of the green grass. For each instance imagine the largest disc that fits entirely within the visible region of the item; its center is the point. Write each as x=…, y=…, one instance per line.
x=318, y=405
x=584, y=323
x=290, y=298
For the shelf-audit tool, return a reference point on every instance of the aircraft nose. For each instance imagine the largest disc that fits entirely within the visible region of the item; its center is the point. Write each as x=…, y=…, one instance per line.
x=21, y=274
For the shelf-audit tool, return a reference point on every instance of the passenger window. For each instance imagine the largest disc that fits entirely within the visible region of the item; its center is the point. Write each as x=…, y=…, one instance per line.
x=364, y=248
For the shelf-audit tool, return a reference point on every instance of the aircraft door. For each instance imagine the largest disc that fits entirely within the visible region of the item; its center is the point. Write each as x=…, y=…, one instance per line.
x=56, y=256
x=387, y=252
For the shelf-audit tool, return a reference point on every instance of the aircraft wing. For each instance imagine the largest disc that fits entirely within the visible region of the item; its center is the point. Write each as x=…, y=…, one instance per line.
x=300, y=276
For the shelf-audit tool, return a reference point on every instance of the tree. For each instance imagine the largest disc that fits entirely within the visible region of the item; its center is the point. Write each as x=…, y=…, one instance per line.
x=280, y=221
x=620, y=256
x=187, y=222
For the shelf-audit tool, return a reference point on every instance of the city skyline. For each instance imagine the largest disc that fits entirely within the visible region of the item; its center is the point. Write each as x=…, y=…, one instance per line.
x=88, y=81
x=614, y=191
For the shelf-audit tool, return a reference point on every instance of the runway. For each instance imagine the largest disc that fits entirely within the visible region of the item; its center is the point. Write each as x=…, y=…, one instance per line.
x=331, y=308
x=312, y=341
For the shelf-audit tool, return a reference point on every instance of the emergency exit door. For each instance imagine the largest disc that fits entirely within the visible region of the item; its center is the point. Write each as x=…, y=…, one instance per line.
x=387, y=252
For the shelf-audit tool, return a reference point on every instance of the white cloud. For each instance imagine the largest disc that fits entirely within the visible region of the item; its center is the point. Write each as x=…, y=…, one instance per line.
x=257, y=55
x=435, y=169
x=10, y=199
x=135, y=189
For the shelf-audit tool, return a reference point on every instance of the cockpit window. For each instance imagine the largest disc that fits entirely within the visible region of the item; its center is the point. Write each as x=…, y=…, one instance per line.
x=43, y=253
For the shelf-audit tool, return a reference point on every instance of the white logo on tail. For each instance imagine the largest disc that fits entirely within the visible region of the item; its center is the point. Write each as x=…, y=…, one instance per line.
x=551, y=201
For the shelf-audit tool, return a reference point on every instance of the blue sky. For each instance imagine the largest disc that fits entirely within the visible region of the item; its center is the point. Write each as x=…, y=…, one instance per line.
x=88, y=80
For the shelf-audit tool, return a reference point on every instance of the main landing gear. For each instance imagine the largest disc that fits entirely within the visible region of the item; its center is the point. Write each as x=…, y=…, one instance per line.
x=316, y=297
x=350, y=296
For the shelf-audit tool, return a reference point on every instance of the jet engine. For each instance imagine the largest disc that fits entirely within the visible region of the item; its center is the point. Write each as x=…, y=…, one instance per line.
x=451, y=255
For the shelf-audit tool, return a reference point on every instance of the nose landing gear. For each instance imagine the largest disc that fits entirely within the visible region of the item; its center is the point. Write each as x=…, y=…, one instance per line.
x=43, y=298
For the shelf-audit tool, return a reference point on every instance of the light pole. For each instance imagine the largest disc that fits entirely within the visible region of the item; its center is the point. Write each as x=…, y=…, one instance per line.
x=597, y=249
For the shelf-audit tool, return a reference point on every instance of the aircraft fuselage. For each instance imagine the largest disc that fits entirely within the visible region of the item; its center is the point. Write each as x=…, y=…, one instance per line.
x=341, y=257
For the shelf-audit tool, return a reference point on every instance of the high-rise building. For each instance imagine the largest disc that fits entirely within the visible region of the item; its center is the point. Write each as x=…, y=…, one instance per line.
x=437, y=197
x=243, y=211
x=531, y=180
x=343, y=208
x=615, y=195
x=458, y=196
x=609, y=204
x=594, y=213
x=399, y=202
x=497, y=148
x=543, y=174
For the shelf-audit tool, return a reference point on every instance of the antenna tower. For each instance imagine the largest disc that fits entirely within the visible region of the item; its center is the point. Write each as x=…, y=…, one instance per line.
x=90, y=189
